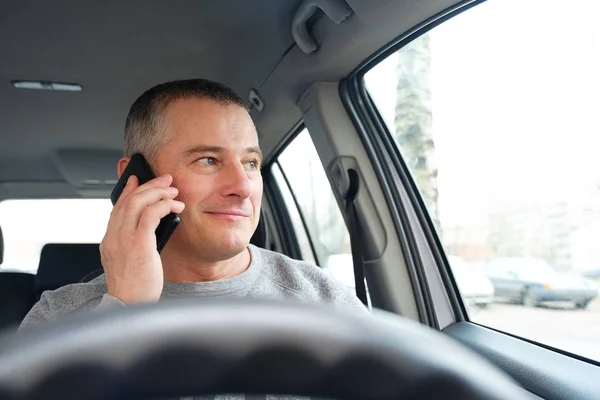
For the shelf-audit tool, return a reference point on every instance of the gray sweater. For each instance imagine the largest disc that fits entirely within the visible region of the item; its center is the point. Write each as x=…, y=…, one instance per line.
x=270, y=276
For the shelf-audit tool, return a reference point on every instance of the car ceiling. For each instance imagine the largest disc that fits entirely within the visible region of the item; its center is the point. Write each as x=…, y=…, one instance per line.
x=66, y=144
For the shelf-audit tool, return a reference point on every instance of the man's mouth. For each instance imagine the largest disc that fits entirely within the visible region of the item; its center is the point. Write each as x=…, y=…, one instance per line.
x=229, y=214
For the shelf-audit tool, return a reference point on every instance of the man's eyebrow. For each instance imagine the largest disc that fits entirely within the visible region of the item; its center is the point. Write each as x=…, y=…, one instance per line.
x=255, y=150
x=204, y=149
x=217, y=149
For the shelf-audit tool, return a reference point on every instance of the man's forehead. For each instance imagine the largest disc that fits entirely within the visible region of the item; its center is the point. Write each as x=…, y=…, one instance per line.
x=203, y=107
x=206, y=122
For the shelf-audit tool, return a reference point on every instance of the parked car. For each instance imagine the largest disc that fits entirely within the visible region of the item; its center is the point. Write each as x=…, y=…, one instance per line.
x=592, y=273
x=531, y=281
x=475, y=288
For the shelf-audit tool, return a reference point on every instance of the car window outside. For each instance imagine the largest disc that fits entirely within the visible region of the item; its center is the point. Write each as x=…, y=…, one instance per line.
x=301, y=164
x=27, y=225
x=494, y=113
x=296, y=218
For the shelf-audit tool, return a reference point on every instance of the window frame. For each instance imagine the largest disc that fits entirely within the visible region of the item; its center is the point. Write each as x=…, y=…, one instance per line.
x=282, y=220
x=296, y=205
x=391, y=167
x=272, y=186
x=284, y=224
x=386, y=160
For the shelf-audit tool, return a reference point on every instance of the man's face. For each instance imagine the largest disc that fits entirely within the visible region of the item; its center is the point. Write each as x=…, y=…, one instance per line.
x=213, y=155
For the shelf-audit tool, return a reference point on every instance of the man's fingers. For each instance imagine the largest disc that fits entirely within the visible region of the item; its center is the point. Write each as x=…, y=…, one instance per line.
x=161, y=181
x=130, y=186
x=135, y=198
x=152, y=214
x=136, y=204
x=116, y=220
x=177, y=207
x=150, y=196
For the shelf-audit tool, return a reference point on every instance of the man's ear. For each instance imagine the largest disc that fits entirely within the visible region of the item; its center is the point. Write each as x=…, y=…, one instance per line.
x=122, y=165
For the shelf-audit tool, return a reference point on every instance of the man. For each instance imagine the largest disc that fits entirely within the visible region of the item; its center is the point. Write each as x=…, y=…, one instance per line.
x=203, y=147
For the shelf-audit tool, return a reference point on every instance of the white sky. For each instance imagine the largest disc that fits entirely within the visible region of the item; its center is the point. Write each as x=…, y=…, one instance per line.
x=514, y=99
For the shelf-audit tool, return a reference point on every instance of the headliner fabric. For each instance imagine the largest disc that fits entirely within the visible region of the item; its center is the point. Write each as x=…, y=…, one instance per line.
x=149, y=42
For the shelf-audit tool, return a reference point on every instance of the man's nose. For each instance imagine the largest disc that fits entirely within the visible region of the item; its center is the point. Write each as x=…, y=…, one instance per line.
x=236, y=181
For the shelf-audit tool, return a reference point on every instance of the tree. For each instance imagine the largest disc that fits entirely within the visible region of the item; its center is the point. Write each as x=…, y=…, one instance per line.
x=413, y=120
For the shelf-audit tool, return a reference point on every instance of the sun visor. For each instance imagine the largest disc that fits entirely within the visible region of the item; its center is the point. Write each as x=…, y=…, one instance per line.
x=89, y=168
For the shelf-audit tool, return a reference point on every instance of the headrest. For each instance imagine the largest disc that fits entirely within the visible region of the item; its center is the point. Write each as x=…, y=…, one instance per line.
x=1, y=247
x=260, y=238
x=63, y=264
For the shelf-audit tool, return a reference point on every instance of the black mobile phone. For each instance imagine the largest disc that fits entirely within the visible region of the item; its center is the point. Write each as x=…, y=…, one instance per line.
x=139, y=167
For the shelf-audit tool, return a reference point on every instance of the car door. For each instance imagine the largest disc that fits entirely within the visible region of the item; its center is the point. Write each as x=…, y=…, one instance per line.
x=514, y=284
x=508, y=279
x=503, y=280
x=466, y=131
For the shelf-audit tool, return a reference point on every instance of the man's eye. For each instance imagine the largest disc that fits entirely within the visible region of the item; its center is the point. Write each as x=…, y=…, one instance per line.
x=253, y=164
x=207, y=161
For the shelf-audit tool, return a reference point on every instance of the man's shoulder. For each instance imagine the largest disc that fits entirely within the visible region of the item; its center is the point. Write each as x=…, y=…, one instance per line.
x=77, y=294
x=306, y=279
x=66, y=300
x=281, y=266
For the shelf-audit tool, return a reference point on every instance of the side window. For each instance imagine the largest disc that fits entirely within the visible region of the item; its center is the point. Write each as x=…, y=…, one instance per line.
x=500, y=134
x=302, y=174
x=297, y=221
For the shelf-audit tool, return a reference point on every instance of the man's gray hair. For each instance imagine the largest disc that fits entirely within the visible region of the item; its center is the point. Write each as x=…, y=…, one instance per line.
x=144, y=130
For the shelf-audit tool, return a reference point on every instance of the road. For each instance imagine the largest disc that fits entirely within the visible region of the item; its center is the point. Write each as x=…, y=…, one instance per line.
x=576, y=331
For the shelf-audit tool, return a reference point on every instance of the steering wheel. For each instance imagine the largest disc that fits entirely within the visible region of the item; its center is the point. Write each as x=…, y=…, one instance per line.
x=191, y=347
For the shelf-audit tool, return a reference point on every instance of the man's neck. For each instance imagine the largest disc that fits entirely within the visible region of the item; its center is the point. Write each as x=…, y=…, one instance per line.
x=179, y=267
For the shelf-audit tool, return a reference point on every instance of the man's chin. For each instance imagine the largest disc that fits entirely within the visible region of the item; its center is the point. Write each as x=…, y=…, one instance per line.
x=222, y=248
x=231, y=248
x=210, y=240
x=222, y=253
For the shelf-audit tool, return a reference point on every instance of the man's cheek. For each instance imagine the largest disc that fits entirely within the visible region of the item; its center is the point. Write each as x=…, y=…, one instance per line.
x=257, y=200
x=192, y=193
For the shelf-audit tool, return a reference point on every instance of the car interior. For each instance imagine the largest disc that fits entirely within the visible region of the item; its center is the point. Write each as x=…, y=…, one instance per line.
x=69, y=73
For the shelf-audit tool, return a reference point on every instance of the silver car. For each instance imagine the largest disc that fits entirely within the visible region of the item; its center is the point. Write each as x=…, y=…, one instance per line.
x=475, y=288
x=531, y=281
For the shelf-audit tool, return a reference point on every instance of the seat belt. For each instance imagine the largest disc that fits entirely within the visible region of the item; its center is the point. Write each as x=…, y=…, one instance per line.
x=355, y=241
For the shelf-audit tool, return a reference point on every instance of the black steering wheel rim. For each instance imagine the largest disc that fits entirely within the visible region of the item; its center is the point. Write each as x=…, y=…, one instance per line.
x=192, y=347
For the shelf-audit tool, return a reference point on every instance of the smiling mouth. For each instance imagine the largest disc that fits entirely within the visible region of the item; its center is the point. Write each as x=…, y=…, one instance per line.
x=229, y=214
